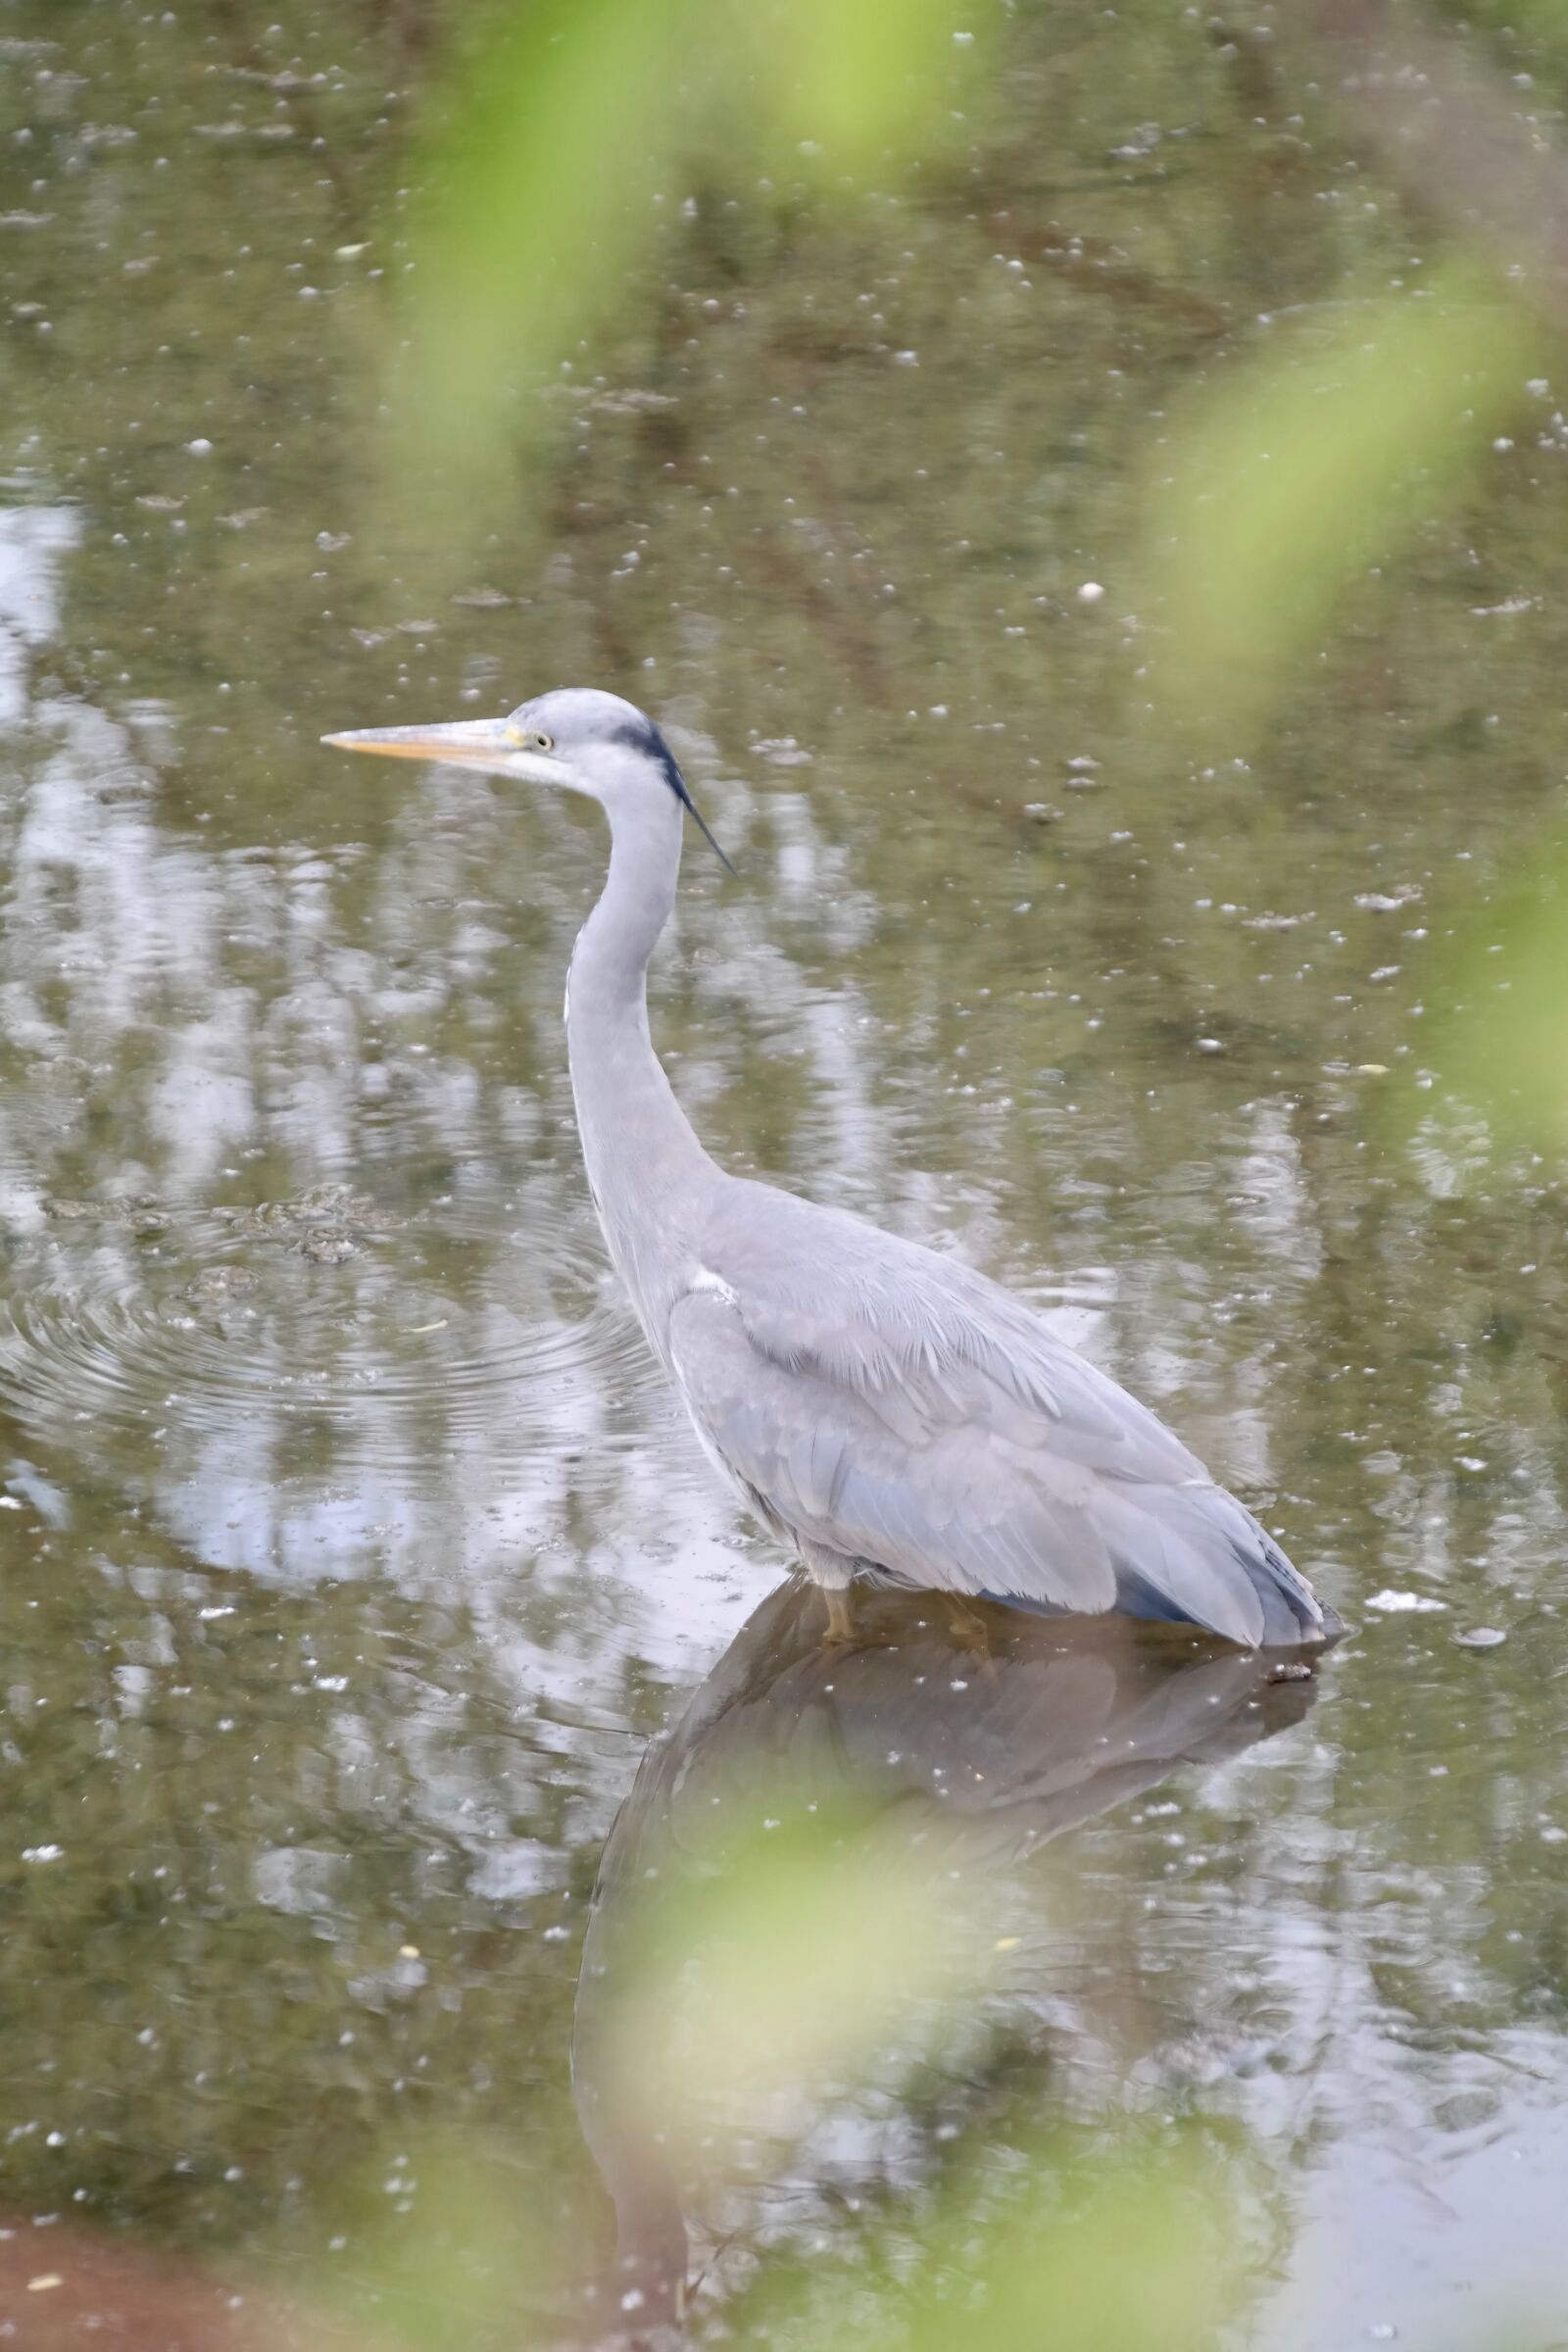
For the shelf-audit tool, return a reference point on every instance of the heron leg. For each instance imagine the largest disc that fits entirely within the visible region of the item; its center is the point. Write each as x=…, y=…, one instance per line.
x=831, y=1571
x=969, y=1629
x=840, y=1614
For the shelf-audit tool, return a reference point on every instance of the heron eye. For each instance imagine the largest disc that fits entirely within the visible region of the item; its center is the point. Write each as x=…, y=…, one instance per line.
x=542, y=743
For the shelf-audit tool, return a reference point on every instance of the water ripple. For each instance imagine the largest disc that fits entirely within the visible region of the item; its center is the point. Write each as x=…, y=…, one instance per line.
x=197, y=1335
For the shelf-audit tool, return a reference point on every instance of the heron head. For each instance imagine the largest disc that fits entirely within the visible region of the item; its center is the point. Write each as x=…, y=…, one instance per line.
x=573, y=737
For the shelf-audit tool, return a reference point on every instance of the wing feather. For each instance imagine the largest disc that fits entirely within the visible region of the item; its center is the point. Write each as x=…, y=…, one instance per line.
x=896, y=1408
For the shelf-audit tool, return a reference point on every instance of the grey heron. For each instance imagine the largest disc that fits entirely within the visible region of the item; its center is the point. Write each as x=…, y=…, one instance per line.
x=889, y=1412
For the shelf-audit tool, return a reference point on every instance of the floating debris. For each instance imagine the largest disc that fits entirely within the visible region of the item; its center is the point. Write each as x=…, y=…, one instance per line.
x=230, y=129
x=1386, y=902
x=328, y=1224
x=224, y=1282
x=781, y=750
x=630, y=402
x=285, y=82
x=140, y=1212
x=1481, y=1637
x=351, y=1216
x=329, y=1247
x=1391, y=1601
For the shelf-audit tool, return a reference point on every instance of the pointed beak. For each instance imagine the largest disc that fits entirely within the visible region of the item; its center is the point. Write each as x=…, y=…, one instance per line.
x=485, y=743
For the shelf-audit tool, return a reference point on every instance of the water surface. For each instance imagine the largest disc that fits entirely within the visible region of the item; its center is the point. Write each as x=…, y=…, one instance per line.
x=353, y=1550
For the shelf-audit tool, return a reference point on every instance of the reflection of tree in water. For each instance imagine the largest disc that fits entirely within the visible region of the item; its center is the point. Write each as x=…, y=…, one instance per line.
x=960, y=988
x=972, y=1756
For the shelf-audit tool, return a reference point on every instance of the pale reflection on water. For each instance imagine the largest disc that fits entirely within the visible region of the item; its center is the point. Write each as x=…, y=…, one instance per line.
x=965, y=1751
x=352, y=1552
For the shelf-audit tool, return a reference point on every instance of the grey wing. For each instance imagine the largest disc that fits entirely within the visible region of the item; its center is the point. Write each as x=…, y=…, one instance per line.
x=893, y=1405
x=822, y=1462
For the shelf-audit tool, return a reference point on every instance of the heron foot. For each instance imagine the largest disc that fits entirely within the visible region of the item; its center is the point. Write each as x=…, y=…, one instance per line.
x=840, y=1613
x=969, y=1633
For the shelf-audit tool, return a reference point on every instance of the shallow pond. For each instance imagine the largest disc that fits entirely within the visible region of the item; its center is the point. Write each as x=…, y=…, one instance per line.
x=354, y=1551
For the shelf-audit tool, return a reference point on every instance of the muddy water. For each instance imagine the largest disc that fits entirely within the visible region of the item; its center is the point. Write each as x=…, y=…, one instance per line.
x=353, y=1550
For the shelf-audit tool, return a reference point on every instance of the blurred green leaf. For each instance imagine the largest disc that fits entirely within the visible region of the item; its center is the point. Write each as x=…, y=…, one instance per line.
x=1498, y=1026
x=849, y=81
x=1287, y=478
x=563, y=122
x=473, y=2265
x=816, y=1943
x=1065, y=2248
x=1137, y=2265
x=540, y=186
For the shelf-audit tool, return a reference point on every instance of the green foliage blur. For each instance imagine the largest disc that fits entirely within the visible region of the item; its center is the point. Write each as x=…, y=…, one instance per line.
x=1280, y=488
x=566, y=131
x=812, y=1948
x=1499, y=1022
x=1079, y=2249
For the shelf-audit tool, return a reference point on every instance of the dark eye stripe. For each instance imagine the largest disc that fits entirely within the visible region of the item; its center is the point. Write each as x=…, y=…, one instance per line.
x=643, y=736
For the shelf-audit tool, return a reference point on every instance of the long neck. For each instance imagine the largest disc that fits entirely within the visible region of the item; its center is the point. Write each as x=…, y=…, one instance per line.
x=645, y=1168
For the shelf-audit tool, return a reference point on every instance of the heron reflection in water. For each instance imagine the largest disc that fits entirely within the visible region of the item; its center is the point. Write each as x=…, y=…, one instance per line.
x=893, y=1415
x=903, y=1745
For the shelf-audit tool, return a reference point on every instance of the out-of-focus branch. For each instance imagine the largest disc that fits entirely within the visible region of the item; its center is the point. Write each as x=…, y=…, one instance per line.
x=1338, y=434
x=1449, y=135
